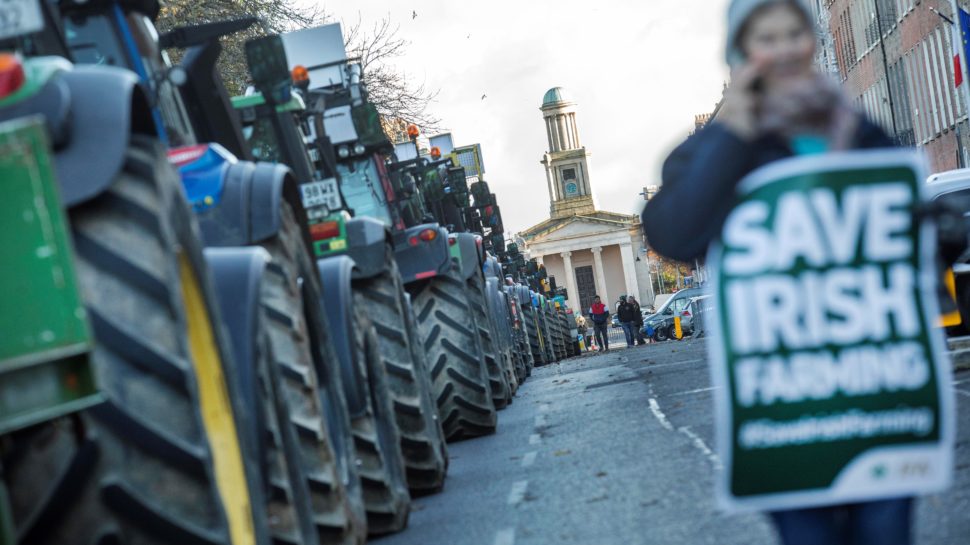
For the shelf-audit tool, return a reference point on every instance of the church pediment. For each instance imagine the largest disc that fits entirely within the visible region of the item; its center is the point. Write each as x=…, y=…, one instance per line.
x=579, y=226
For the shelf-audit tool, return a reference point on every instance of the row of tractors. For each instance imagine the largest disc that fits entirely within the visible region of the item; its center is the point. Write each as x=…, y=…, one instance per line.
x=236, y=320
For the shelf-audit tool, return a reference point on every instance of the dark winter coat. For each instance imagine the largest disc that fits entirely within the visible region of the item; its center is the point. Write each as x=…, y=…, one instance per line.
x=626, y=313
x=699, y=181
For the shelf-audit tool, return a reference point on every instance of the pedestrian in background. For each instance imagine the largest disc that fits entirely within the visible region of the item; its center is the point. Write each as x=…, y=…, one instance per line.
x=600, y=317
x=776, y=106
x=625, y=315
x=637, y=320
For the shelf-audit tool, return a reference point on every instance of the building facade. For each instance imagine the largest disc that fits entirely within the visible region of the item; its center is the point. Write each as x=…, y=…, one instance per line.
x=589, y=251
x=895, y=59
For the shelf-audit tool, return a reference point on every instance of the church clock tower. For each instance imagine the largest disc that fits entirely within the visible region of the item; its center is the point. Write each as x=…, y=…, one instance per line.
x=567, y=161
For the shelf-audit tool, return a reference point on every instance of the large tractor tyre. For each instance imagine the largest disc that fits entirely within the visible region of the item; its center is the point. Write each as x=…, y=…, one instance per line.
x=458, y=374
x=288, y=503
x=334, y=488
x=494, y=358
x=532, y=333
x=382, y=299
x=567, y=340
x=377, y=440
x=137, y=468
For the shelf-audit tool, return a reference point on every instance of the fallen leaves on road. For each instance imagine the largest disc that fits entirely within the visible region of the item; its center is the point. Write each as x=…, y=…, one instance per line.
x=563, y=452
x=601, y=474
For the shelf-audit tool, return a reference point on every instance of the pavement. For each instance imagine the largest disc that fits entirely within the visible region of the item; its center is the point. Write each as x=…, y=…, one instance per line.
x=617, y=448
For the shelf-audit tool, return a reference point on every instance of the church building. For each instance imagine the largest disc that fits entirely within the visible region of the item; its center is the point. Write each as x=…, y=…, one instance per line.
x=589, y=251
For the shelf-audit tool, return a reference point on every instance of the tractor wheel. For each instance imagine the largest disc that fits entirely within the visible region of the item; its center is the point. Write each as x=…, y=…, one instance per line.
x=494, y=360
x=382, y=299
x=532, y=336
x=326, y=462
x=458, y=374
x=378, y=440
x=288, y=503
x=138, y=468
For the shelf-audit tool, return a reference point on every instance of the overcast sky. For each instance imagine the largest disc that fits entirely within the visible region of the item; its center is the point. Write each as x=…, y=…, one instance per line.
x=638, y=70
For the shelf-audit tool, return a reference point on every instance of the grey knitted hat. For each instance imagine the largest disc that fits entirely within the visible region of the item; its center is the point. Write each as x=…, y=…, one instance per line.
x=737, y=15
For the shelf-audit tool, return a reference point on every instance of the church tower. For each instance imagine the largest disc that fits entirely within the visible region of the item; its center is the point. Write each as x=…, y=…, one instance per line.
x=566, y=161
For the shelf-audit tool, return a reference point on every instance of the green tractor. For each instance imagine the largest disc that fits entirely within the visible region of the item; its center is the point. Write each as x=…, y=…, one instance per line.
x=395, y=246
x=98, y=230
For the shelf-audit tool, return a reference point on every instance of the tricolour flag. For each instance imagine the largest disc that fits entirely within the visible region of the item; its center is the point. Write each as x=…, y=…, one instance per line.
x=961, y=43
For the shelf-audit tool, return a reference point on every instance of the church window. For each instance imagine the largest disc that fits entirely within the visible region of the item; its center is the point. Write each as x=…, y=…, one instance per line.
x=569, y=174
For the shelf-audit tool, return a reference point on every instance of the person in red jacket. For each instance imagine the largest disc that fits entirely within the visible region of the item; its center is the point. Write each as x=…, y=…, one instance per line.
x=600, y=316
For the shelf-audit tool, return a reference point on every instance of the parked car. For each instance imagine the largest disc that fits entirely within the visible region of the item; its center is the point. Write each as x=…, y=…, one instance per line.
x=952, y=188
x=661, y=324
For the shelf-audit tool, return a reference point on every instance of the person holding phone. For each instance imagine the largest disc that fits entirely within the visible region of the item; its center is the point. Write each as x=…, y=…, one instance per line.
x=776, y=106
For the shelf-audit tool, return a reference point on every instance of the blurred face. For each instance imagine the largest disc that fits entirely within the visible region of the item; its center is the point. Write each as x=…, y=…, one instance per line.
x=596, y=299
x=780, y=40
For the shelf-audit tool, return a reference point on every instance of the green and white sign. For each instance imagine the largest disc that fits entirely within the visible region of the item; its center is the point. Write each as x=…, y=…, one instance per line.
x=832, y=381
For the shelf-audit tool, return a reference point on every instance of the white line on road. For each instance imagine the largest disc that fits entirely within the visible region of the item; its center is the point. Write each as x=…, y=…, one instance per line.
x=544, y=407
x=699, y=443
x=540, y=420
x=959, y=391
x=518, y=492
x=529, y=458
x=535, y=439
x=697, y=391
x=661, y=417
x=659, y=365
x=505, y=537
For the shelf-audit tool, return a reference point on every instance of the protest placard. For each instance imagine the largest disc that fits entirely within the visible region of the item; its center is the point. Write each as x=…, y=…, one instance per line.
x=831, y=379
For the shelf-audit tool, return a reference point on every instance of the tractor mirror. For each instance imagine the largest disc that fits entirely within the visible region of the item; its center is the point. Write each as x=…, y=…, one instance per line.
x=267, y=66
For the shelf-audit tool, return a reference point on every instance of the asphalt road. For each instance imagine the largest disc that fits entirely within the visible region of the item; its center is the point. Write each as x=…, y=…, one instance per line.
x=617, y=449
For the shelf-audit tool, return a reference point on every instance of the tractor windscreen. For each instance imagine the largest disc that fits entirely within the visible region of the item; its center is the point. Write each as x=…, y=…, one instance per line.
x=362, y=190
x=262, y=140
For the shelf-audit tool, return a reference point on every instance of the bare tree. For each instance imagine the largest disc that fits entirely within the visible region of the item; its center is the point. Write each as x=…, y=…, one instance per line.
x=275, y=16
x=396, y=98
x=399, y=100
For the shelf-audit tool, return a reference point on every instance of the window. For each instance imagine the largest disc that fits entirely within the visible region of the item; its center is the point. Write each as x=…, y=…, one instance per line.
x=569, y=174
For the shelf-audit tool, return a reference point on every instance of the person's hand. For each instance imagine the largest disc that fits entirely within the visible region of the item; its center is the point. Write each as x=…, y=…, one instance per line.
x=737, y=111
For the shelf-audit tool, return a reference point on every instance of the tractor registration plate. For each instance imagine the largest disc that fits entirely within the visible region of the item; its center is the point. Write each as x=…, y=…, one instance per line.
x=19, y=17
x=322, y=193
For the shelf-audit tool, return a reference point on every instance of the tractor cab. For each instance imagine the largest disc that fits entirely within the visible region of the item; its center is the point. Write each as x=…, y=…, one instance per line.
x=122, y=33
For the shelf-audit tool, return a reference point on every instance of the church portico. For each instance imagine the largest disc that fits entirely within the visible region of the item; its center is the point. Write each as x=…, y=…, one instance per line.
x=588, y=251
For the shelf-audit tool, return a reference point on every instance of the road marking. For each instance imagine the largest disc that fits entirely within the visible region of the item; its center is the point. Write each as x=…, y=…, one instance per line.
x=535, y=439
x=518, y=492
x=544, y=408
x=659, y=365
x=540, y=420
x=959, y=391
x=699, y=443
x=505, y=537
x=529, y=458
x=697, y=391
x=661, y=417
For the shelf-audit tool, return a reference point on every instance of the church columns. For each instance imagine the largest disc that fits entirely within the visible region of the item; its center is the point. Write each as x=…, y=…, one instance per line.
x=629, y=270
x=562, y=132
x=600, y=275
x=567, y=261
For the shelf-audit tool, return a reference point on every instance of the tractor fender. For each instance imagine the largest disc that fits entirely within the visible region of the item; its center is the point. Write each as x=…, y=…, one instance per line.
x=336, y=300
x=106, y=106
x=240, y=273
x=468, y=248
x=420, y=259
x=492, y=267
x=367, y=240
x=248, y=209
